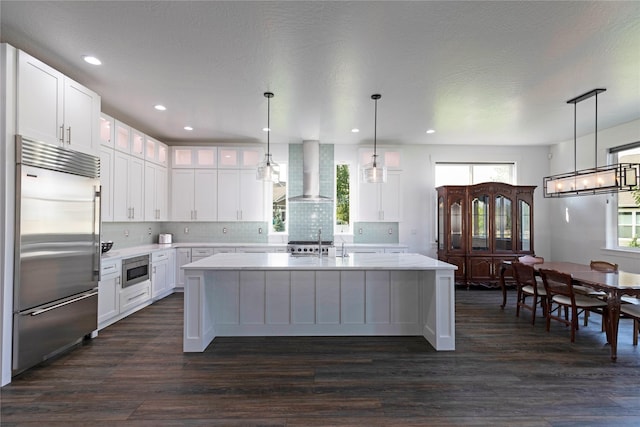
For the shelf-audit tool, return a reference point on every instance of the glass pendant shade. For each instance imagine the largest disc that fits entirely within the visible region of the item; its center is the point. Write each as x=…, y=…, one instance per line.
x=268, y=170
x=373, y=172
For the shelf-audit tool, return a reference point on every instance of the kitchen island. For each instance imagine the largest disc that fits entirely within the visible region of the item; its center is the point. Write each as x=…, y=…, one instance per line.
x=265, y=294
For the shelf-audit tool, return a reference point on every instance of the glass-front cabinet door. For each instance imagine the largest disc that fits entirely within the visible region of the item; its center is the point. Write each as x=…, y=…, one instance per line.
x=480, y=223
x=455, y=237
x=503, y=224
x=441, y=231
x=525, y=225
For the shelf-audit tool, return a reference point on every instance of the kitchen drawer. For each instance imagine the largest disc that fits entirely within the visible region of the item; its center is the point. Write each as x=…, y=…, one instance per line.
x=201, y=253
x=135, y=295
x=160, y=256
x=110, y=269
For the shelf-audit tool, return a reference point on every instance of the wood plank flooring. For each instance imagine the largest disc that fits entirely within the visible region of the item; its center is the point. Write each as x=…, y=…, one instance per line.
x=504, y=373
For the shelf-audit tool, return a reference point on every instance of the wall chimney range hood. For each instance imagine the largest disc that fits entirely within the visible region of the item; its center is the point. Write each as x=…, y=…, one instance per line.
x=311, y=174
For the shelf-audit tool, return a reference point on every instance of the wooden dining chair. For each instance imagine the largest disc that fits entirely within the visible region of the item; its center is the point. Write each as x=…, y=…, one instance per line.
x=605, y=267
x=631, y=309
x=559, y=288
x=528, y=286
x=531, y=259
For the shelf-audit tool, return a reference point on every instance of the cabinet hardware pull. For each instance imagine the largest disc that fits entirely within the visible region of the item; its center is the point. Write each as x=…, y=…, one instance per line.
x=69, y=135
x=62, y=133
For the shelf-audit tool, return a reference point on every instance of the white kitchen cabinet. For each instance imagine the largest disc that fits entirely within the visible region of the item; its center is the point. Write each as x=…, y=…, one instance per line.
x=194, y=157
x=155, y=192
x=240, y=195
x=194, y=194
x=239, y=158
x=156, y=151
x=108, y=292
x=129, y=140
x=183, y=256
x=133, y=297
x=200, y=253
x=381, y=202
x=161, y=282
x=106, y=182
x=55, y=109
x=107, y=131
x=171, y=270
x=223, y=250
x=128, y=188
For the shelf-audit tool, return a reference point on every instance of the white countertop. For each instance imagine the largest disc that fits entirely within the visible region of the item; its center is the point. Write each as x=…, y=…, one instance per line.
x=284, y=261
x=117, y=253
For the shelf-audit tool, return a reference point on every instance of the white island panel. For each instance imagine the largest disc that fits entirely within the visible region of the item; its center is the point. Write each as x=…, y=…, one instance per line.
x=328, y=297
x=278, y=298
x=369, y=294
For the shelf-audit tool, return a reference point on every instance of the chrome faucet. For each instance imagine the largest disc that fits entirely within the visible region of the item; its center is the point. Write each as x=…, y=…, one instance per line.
x=319, y=243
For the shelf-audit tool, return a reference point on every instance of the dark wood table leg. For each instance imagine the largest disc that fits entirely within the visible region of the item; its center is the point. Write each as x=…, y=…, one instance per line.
x=613, y=304
x=503, y=269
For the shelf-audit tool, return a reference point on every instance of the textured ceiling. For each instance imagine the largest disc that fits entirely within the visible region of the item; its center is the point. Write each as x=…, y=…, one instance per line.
x=476, y=72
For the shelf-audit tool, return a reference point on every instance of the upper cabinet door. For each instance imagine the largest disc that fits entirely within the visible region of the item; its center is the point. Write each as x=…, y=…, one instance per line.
x=81, y=118
x=55, y=109
x=107, y=131
x=40, y=100
x=194, y=157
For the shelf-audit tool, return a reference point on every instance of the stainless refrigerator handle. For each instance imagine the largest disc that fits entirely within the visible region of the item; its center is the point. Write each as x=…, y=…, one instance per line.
x=97, y=247
x=62, y=304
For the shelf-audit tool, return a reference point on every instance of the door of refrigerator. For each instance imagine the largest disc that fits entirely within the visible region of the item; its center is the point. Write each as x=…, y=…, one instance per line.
x=58, y=246
x=41, y=332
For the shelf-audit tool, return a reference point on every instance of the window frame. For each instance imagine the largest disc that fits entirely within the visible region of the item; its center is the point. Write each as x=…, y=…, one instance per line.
x=470, y=175
x=341, y=229
x=613, y=224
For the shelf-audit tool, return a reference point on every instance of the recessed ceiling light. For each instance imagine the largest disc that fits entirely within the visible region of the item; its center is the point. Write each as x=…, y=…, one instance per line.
x=188, y=128
x=355, y=130
x=430, y=131
x=266, y=129
x=91, y=60
x=160, y=107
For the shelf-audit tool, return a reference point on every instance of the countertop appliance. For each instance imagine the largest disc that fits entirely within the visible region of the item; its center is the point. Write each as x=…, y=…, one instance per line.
x=135, y=270
x=165, y=238
x=57, y=250
x=302, y=248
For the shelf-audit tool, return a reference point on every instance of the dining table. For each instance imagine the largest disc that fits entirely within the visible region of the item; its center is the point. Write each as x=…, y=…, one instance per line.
x=614, y=285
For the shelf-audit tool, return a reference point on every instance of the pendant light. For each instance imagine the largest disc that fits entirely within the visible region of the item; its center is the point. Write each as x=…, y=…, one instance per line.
x=268, y=170
x=374, y=172
x=597, y=180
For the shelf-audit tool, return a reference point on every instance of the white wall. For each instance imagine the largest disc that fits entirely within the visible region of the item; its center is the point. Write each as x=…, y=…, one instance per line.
x=418, y=227
x=583, y=236
x=7, y=190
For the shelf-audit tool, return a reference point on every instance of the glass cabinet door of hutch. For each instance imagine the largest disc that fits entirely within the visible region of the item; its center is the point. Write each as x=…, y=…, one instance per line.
x=456, y=225
x=503, y=224
x=524, y=238
x=479, y=223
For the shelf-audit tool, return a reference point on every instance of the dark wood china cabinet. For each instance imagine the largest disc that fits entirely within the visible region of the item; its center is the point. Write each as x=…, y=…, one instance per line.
x=481, y=225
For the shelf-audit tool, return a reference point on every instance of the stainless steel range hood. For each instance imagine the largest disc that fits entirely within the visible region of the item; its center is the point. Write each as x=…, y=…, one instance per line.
x=310, y=174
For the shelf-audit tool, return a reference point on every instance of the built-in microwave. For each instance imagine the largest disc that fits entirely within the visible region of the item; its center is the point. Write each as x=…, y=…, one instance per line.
x=135, y=270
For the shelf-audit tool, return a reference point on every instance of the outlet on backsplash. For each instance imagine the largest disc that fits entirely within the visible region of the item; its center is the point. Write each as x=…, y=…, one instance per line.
x=186, y=230
x=126, y=233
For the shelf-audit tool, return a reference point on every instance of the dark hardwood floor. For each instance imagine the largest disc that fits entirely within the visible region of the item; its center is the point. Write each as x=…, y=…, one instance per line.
x=504, y=372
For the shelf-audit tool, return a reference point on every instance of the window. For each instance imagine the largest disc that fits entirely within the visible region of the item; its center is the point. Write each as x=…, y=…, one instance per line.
x=628, y=215
x=279, y=202
x=473, y=173
x=343, y=210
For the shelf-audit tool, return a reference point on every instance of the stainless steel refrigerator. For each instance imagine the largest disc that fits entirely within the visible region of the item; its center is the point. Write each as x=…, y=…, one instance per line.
x=57, y=250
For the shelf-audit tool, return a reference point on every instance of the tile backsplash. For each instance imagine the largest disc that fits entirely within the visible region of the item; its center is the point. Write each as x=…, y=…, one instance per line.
x=306, y=218
x=129, y=234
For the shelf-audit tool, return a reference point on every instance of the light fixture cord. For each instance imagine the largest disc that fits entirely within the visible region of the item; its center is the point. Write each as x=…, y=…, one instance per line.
x=596, y=131
x=575, y=143
x=268, y=130
x=375, y=134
